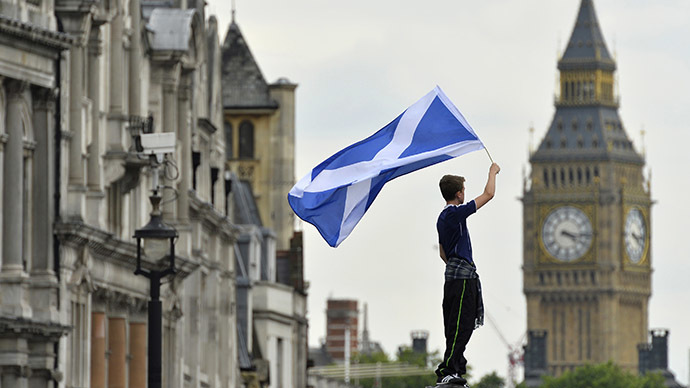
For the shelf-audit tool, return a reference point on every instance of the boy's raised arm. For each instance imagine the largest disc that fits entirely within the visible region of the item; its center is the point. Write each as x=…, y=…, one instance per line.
x=490, y=188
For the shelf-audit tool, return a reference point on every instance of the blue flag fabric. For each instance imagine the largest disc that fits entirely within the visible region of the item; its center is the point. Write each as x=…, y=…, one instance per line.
x=337, y=192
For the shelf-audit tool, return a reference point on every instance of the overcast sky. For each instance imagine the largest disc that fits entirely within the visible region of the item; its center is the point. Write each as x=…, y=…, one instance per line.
x=359, y=64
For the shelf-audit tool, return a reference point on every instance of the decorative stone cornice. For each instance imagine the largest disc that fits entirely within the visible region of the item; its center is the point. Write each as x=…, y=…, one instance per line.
x=24, y=328
x=205, y=212
x=57, y=41
x=104, y=246
x=120, y=300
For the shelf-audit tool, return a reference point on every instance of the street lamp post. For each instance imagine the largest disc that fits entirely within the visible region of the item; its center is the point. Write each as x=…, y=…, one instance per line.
x=158, y=240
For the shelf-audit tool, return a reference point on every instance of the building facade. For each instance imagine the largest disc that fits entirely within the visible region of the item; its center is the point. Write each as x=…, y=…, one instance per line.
x=80, y=79
x=342, y=326
x=587, y=216
x=31, y=326
x=259, y=132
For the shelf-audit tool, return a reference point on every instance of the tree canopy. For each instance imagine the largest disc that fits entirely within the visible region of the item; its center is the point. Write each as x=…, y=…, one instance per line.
x=608, y=375
x=492, y=380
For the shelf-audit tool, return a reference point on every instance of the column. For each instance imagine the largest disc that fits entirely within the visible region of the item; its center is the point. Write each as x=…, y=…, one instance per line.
x=76, y=185
x=3, y=140
x=137, y=350
x=98, y=350
x=13, y=277
x=184, y=137
x=95, y=195
x=117, y=360
x=44, y=178
x=116, y=61
x=135, y=56
x=116, y=133
x=44, y=285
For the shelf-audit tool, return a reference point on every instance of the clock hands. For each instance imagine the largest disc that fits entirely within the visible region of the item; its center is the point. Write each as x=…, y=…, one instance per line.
x=573, y=236
x=640, y=239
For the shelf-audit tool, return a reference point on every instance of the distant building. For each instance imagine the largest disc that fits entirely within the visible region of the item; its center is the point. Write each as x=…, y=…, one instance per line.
x=342, y=317
x=586, y=221
x=259, y=133
x=653, y=357
x=419, y=341
x=366, y=345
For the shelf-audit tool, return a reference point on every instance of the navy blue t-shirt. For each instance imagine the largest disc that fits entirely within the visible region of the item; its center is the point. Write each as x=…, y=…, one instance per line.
x=453, y=234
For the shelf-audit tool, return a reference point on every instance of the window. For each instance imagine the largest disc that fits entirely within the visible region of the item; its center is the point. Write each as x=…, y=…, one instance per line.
x=78, y=339
x=115, y=208
x=228, y=141
x=280, y=363
x=246, y=140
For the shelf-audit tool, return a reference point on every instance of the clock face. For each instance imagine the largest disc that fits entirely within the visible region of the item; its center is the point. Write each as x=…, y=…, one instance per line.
x=567, y=233
x=635, y=235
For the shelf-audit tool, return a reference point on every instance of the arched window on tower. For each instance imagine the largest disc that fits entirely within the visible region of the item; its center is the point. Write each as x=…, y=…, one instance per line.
x=246, y=140
x=228, y=140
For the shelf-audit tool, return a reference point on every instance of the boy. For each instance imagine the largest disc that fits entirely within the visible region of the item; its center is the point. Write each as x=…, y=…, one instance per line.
x=463, y=309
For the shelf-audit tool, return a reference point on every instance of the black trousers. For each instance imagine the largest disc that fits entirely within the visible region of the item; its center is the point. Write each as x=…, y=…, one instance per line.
x=459, y=314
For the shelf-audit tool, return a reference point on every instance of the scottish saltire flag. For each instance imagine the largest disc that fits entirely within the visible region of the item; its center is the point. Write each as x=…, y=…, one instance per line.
x=337, y=192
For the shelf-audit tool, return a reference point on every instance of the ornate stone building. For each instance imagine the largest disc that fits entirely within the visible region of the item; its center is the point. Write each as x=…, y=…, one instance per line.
x=79, y=79
x=587, y=208
x=31, y=327
x=259, y=132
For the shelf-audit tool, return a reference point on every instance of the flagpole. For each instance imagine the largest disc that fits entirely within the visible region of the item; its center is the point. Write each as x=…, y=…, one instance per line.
x=487, y=152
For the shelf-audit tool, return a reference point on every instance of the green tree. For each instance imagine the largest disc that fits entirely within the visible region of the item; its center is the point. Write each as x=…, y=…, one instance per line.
x=608, y=375
x=492, y=380
x=406, y=355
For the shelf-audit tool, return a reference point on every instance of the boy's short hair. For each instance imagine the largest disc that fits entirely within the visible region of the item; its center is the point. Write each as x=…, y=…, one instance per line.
x=451, y=184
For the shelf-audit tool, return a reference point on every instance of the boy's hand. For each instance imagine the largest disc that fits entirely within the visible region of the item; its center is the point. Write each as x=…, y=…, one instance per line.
x=494, y=169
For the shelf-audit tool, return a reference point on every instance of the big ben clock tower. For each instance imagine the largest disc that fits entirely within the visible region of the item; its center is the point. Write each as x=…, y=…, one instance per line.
x=587, y=264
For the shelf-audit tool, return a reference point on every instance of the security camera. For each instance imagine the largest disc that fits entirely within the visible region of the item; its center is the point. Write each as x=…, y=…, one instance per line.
x=158, y=143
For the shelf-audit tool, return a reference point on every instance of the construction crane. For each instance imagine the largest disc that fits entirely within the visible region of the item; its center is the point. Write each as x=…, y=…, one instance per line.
x=515, y=352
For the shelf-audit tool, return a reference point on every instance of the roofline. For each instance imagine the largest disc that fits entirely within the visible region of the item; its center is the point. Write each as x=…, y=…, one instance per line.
x=259, y=110
x=561, y=156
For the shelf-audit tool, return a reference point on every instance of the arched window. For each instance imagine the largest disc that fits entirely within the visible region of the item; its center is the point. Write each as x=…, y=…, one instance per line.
x=246, y=140
x=228, y=141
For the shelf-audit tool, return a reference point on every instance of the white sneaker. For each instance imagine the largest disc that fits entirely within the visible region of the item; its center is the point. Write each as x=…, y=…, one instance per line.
x=452, y=379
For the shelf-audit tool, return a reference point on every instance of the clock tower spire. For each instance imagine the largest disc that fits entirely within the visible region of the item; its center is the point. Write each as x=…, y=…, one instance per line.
x=586, y=259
